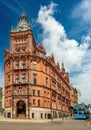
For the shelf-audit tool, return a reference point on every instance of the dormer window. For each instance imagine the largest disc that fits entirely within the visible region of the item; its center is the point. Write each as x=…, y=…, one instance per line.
x=41, y=54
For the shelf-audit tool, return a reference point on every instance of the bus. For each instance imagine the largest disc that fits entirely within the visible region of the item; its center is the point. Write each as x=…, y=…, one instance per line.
x=80, y=111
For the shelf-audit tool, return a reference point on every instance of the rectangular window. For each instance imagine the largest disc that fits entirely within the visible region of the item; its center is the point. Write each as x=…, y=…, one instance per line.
x=23, y=65
x=23, y=92
x=32, y=115
x=44, y=103
x=17, y=79
x=46, y=81
x=38, y=103
x=45, y=115
x=44, y=93
x=33, y=101
x=35, y=79
x=47, y=94
x=38, y=92
x=9, y=101
x=9, y=79
x=23, y=78
x=46, y=69
x=17, y=92
x=33, y=92
x=41, y=115
x=34, y=66
x=17, y=65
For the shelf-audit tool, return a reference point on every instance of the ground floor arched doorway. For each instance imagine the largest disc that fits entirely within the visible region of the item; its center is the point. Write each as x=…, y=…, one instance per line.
x=21, y=109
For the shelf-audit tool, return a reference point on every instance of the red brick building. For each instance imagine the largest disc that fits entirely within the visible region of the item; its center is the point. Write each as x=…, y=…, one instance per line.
x=35, y=86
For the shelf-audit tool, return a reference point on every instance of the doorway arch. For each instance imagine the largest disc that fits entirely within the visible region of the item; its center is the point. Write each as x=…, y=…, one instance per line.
x=21, y=109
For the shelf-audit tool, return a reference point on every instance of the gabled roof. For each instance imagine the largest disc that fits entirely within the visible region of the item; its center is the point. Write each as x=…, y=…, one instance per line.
x=57, y=65
x=41, y=49
x=51, y=58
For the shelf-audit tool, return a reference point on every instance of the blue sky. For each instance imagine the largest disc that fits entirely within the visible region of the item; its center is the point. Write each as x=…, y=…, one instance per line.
x=64, y=28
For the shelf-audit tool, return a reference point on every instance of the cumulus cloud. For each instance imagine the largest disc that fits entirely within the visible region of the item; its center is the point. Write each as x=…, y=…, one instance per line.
x=75, y=55
x=55, y=39
x=83, y=79
x=82, y=12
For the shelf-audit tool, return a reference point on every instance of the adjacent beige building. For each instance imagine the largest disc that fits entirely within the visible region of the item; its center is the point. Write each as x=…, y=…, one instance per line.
x=73, y=97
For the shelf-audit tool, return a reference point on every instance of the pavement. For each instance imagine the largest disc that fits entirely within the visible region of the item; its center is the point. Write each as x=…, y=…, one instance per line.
x=3, y=119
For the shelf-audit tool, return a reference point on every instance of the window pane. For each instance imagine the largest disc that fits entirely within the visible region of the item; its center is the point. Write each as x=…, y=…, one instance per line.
x=38, y=92
x=35, y=79
x=33, y=92
x=34, y=65
x=17, y=65
x=46, y=81
x=41, y=115
x=23, y=65
x=33, y=101
x=32, y=115
x=38, y=103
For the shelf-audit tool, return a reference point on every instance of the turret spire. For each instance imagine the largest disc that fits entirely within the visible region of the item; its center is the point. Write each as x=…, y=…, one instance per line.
x=63, y=68
x=23, y=14
x=23, y=24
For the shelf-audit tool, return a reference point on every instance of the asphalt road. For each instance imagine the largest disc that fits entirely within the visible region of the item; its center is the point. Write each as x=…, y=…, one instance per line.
x=55, y=125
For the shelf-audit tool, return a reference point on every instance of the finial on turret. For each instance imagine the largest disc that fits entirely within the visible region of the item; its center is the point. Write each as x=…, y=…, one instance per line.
x=23, y=13
x=63, y=68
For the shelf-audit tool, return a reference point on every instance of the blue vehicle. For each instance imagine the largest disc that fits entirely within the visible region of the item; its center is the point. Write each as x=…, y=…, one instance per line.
x=80, y=111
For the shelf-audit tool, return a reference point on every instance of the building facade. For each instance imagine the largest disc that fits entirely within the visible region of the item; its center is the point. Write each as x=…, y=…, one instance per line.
x=73, y=97
x=35, y=86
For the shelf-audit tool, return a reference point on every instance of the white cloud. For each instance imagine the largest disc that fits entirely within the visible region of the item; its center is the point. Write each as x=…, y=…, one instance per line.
x=83, y=11
x=56, y=41
x=69, y=50
x=83, y=79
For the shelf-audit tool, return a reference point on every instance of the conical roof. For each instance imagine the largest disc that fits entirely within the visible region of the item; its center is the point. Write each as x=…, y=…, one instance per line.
x=23, y=23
